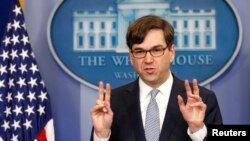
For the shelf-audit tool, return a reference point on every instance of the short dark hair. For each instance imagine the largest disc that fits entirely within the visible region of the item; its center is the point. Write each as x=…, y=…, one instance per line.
x=140, y=27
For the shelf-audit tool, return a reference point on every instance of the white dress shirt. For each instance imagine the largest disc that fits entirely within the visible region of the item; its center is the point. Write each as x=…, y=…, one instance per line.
x=162, y=99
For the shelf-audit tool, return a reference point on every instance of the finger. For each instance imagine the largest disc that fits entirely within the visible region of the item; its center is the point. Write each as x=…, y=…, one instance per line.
x=101, y=91
x=199, y=104
x=108, y=108
x=96, y=108
x=104, y=109
x=180, y=102
x=108, y=92
x=196, y=97
x=187, y=87
x=99, y=102
x=195, y=87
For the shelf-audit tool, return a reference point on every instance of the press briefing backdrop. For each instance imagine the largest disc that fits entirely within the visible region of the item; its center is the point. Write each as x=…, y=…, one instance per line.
x=71, y=100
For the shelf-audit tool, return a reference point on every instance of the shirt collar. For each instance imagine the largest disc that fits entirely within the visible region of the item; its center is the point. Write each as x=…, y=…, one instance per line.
x=165, y=88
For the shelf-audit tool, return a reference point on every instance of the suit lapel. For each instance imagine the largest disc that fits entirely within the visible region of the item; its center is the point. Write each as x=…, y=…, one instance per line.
x=172, y=116
x=132, y=101
x=173, y=113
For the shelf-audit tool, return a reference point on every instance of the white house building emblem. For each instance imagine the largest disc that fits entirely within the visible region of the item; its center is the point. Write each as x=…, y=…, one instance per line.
x=88, y=40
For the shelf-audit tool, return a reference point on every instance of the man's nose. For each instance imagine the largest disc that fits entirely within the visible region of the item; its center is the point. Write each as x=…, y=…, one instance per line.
x=148, y=57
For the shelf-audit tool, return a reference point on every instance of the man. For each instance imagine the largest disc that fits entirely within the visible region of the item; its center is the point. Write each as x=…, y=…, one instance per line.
x=181, y=112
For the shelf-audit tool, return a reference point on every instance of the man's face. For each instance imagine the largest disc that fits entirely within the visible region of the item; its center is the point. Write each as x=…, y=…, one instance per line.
x=153, y=70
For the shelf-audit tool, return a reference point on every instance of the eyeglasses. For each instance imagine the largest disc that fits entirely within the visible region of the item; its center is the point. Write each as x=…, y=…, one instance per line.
x=155, y=52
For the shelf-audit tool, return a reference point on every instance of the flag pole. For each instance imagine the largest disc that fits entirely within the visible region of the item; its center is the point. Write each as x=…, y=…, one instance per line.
x=22, y=4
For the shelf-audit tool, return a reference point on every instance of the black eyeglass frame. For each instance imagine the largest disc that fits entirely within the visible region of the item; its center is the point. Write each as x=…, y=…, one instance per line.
x=162, y=49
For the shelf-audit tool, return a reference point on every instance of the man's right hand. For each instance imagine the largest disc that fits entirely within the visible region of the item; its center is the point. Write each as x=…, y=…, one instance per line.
x=101, y=113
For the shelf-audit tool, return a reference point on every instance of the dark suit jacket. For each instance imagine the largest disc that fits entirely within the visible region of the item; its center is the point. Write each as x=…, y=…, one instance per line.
x=127, y=121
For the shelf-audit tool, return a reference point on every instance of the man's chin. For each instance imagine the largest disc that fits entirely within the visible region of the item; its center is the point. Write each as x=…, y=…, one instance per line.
x=152, y=80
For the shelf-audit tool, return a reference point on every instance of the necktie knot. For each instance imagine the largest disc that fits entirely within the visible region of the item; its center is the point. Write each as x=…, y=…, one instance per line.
x=153, y=93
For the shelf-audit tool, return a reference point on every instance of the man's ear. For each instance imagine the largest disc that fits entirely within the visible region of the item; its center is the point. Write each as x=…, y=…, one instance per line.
x=172, y=51
x=130, y=57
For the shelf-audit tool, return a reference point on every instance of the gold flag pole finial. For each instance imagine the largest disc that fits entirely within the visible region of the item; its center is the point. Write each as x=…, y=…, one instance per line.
x=22, y=4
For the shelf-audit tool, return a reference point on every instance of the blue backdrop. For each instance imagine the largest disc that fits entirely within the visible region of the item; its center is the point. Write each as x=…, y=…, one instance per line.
x=71, y=101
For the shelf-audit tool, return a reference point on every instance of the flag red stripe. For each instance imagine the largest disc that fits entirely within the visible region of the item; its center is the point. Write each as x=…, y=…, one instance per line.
x=42, y=136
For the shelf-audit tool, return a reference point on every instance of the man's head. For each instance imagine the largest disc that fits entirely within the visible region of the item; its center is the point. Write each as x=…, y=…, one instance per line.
x=151, y=49
x=140, y=27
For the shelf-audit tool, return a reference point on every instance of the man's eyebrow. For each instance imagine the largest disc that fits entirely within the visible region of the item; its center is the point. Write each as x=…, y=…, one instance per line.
x=157, y=46
x=138, y=48
x=141, y=48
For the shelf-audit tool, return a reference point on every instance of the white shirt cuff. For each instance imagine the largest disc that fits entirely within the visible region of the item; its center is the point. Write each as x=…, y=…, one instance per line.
x=96, y=138
x=198, y=135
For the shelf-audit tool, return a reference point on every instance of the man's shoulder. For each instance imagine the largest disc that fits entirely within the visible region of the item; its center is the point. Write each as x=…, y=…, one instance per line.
x=126, y=87
x=202, y=89
x=124, y=95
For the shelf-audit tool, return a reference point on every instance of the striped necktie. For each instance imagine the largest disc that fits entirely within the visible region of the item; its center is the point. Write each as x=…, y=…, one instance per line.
x=152, y=123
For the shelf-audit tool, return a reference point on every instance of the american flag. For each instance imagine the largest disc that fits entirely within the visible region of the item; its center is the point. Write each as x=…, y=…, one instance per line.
x=25, y=112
